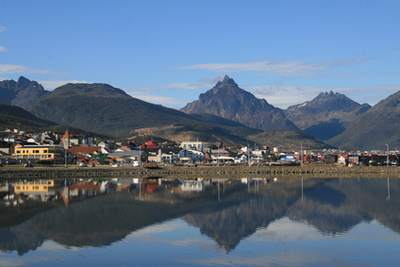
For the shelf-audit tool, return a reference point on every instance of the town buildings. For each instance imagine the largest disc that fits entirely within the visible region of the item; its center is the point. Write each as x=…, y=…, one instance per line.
x=18, y=147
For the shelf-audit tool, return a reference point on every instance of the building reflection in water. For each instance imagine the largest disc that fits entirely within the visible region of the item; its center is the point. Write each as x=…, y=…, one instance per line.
x=102, y=211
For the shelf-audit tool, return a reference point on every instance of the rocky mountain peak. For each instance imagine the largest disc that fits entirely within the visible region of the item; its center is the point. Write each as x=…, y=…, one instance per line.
x=227, y=100
x=22, y=93
x=22, y=81
x=226, y=81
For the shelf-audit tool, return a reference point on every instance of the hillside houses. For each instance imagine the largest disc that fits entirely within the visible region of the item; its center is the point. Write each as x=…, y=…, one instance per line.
x=18, y=147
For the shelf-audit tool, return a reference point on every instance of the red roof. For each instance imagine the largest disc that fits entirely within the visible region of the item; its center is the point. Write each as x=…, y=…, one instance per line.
x=149, y=144
x=83, y=150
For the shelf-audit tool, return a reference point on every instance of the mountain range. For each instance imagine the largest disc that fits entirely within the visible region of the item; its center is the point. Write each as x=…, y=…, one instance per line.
x=327, y=115
x=224, y=113
x=22, y=93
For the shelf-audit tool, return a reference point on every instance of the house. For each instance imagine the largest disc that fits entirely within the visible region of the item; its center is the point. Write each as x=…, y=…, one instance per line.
x=129, y=156
x=6, y=147
x=88, y=140
x=354, y=159
x=288, y=158
x=73, y=141
x=191, y=155
x=221, y=152
x=169, y=155
x=83, y=151
x=149, y=145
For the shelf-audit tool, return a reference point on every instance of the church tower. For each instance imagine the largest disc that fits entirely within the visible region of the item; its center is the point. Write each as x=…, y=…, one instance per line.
x=65, y=139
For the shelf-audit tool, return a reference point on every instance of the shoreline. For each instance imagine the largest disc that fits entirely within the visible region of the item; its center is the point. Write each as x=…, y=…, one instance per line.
x=315, y=171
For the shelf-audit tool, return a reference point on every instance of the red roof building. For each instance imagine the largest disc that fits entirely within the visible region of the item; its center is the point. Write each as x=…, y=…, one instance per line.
x=82, y=151
x=150, y=144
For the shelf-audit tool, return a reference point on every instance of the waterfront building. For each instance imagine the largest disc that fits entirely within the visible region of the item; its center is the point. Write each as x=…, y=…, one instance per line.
x=37, y=152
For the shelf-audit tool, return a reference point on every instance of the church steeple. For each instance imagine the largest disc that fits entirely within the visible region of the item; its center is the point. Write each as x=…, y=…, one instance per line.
x=65, y=139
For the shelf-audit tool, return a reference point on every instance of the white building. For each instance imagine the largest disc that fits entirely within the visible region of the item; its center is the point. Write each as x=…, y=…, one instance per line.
x=191, y=155
x=192, y=145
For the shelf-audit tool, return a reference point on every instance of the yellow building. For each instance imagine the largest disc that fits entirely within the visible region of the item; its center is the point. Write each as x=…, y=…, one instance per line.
x=37, y=152
x=37, y=186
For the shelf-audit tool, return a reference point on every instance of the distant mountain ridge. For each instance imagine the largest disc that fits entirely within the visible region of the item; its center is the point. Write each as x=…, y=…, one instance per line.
x=23, y=93
x=104, y=109
x=375, y=128
x=327, y=115
x=223, y=112
x=228, y=101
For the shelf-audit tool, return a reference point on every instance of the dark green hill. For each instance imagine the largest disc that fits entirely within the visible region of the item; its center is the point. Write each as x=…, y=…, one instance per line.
x=104, y=109
x=288, y=140
x=372, y=130
x=206, y=132
x=13, y=117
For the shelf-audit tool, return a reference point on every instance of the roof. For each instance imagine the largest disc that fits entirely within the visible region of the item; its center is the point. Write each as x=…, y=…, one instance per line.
x=4, y=144
x=34, y=146
x=84, y=149
x=126, y=153
x=66, y=135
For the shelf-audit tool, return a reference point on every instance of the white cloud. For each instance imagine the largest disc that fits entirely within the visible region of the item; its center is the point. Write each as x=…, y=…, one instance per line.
x=54, y=84
x=278, y=67
x=160, y=100
x=213, y=80
x=8, y=68
x=183, y=86
x=3, y=49
x=3, y=28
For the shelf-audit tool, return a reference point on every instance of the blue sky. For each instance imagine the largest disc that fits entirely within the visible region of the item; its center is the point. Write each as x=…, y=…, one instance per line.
x=169, y=52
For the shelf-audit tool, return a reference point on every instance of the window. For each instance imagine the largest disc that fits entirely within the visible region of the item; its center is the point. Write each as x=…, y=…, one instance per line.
x=18, y=151
x=37, y=151
x=45, y=151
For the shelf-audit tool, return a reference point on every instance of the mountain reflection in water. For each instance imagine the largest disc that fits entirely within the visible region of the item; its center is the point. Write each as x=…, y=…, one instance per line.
x=98, y=213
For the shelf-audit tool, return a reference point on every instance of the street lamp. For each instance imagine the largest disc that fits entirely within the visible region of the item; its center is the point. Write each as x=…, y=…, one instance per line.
x=387, y=155
x=301, y=154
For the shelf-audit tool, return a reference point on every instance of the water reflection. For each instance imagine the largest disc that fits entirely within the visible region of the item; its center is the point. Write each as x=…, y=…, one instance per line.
x=99, y=212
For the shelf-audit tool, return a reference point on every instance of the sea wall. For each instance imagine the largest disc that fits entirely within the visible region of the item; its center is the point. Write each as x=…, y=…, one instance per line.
x=199, y=172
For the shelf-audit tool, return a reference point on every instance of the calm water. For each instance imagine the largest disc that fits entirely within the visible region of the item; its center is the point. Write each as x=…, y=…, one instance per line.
x=203, y=222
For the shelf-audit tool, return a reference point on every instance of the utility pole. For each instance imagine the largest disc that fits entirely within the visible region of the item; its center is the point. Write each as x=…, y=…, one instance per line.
x=301, y=154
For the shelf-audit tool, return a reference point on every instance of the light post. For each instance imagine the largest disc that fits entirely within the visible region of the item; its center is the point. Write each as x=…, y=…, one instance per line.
x=301, y=154
x=387, y=155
